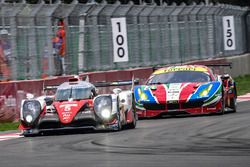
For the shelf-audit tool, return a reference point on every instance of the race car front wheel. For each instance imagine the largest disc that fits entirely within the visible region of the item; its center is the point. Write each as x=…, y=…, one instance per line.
x=233, y=104
x=222, y=110
x=119, y=122
x=28, y=133
x=132, y=125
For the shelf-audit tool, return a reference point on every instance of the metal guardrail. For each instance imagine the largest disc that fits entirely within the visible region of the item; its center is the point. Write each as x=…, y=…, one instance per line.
x=157, y=35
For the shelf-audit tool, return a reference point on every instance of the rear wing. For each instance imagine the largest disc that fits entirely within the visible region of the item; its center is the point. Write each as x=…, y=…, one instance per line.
x=49, y=89
x=220, y=65
x=209, y=65
x=117, y=83
x=131, y=82
x=154, y=68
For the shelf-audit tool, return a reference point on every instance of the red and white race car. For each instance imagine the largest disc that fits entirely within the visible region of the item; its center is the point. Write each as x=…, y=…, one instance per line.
x=185, y=89
x=77, y=105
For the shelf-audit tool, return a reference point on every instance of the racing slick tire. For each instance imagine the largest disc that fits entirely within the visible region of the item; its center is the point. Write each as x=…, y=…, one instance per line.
x=27, y=134
x=132, y=125
x=233, y=104
x=119, y=122
x=222, y=110
x=222, y=106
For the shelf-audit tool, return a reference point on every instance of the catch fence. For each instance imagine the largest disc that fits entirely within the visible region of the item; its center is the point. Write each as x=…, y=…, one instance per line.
x=157, y=35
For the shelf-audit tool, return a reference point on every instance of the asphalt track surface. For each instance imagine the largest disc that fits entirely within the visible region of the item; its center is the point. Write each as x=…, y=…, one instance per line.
x=200, y=141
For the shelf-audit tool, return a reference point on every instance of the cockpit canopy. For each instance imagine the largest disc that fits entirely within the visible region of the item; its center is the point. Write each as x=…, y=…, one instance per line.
x=179, y=77
x=75, y=92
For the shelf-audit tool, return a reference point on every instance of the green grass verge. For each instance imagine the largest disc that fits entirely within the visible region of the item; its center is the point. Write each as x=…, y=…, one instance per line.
x=243, y=84
x=9, y=126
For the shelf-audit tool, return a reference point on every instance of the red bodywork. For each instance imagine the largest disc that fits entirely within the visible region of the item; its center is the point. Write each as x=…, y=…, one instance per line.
x=198, y=110
x=180, y=106
x=67, y=110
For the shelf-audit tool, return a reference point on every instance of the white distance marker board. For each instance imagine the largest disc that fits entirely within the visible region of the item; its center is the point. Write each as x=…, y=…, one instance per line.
x=120, y=41
x=229, y=33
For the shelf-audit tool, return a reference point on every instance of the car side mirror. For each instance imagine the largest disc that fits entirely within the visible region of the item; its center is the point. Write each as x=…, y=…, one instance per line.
x=225, y=77
x=29, y=96
x=48, y=101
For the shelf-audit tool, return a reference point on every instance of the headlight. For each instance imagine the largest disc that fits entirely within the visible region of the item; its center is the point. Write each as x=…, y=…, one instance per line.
x=103, y=106
x=142, y=95
x=205, y=91
x=106, y=113
x=31, y=110
x=29, y=119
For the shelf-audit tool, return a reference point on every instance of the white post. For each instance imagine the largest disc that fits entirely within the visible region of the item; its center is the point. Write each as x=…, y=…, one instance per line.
x=3, y=21
x=81, y=43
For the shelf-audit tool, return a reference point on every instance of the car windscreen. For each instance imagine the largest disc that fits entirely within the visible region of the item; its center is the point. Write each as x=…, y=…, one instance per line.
x=179, y=77
x=75, y=93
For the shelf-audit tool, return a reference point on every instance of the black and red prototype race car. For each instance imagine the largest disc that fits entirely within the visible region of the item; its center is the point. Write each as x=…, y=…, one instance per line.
x=185, y=89
x=76, y=105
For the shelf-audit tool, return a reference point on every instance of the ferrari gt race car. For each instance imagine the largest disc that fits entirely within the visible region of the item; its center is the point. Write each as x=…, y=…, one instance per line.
x=185, y=89
x=77, y=105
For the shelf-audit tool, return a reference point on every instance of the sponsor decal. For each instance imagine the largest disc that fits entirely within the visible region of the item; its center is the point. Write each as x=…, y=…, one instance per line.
x=181, y=68
x=173, y=92
x=66, y=115
x=67, y=111
x=67, y=107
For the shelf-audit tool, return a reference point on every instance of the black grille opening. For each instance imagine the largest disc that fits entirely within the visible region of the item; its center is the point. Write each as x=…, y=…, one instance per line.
x=49, y=125
x=174, y=106
x=56, y=125
x=192, y=104
x=154, y=106
x=82, y=123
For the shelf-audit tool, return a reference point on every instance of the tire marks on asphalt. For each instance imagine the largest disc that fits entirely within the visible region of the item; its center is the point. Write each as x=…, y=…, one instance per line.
x=9, y=136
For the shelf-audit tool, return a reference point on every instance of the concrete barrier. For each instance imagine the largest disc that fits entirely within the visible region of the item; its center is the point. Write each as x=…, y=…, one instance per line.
x=240, y=65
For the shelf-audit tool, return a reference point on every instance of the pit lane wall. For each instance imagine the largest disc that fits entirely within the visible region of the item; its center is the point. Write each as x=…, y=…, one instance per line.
x=12, y=93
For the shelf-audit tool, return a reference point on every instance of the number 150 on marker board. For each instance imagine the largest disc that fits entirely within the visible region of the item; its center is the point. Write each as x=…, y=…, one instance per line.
x=229, y=33
x=120, y=42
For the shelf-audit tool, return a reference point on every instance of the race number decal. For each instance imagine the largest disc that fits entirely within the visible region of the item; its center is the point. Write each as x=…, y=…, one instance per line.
x=173, y=92
x=120, y=42
x=229, y=33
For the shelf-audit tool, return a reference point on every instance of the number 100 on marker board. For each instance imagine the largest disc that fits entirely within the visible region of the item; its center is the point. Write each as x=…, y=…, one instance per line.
x=120, y=42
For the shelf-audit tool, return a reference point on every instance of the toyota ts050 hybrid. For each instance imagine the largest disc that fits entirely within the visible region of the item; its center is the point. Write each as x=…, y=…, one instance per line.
x=185, y=89
x=77, y=105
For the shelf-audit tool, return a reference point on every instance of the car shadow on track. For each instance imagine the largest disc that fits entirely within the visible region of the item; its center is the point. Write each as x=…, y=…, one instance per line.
x=165, y=116
x=76, y=132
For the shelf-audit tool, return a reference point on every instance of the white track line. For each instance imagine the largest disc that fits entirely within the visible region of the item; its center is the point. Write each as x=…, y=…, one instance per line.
x=9, y=136
x=245, y=97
